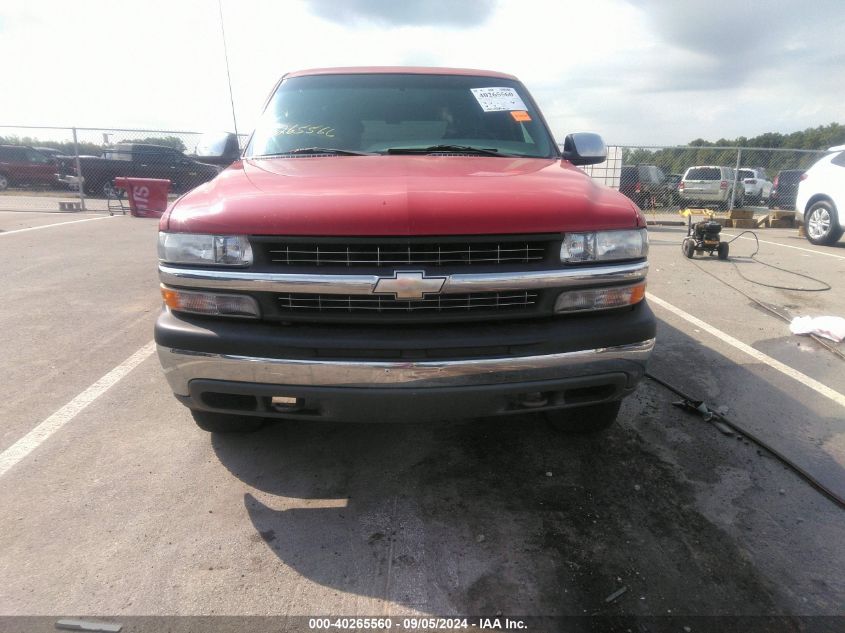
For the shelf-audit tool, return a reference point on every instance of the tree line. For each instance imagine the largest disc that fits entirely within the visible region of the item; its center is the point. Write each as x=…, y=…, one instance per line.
x=701, y=152
x=90, y=149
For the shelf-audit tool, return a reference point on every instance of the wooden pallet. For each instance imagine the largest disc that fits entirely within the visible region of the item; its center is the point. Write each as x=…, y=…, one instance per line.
x=782, y=215
x=785, y=223
x=744, y=224
x=741, y=214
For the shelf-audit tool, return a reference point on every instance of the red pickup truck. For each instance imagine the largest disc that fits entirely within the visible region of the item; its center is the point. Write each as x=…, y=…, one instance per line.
x=402, y=244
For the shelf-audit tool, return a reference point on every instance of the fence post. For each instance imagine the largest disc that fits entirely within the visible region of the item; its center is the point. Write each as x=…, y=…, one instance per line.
x=736, y=176
x=78, y=170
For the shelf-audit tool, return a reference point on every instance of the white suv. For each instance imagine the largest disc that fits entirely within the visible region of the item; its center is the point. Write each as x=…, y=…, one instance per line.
x=758, y=187
x=821, y=198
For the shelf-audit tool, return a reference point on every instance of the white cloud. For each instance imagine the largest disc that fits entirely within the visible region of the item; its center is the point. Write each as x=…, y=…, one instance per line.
x=635, y=72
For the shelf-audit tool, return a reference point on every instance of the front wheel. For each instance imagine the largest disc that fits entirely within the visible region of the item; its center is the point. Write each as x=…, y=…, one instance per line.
x=226, y=422
x=92, y=188
x=823, y=223
x=688, y=247
x=593, y=418
x=722, y=250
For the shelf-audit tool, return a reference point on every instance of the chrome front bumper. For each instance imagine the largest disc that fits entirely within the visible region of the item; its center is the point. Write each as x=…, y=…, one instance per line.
x=183, y=366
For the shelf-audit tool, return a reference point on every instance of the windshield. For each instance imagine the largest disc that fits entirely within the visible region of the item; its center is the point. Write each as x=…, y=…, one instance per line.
x=378, y=112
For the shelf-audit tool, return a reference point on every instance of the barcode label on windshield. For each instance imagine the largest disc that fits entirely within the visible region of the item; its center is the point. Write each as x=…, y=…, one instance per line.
x=498, y=99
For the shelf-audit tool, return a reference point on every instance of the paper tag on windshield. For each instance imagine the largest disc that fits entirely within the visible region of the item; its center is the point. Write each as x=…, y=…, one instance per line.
x=498, y=99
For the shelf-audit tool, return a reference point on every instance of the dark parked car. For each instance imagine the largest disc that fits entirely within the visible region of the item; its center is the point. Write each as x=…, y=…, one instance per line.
x=138, y=160
x=672, y=182
x=785, y=189
x=21, y=165
x=646, y=185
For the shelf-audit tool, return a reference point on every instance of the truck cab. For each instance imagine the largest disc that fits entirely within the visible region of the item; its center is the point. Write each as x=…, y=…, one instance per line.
x=138, y=160
x=404, y=244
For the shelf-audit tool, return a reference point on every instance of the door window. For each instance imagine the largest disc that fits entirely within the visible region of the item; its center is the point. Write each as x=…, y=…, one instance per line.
x=35, y=157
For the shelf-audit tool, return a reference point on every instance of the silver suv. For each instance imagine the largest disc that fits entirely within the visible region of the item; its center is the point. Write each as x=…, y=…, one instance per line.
x=704, y=185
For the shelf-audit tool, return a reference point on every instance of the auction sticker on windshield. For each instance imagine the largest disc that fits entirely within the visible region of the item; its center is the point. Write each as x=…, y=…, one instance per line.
x=498, y=99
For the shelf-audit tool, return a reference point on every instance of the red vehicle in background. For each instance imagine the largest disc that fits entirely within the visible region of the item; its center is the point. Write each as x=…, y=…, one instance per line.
x=21, y=165
x=404, y=244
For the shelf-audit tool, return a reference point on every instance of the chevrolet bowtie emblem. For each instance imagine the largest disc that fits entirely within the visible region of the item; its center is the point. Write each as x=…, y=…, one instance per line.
x=409, y=285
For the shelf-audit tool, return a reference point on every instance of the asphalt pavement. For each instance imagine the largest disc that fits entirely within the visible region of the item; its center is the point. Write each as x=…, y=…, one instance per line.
x=120, y=506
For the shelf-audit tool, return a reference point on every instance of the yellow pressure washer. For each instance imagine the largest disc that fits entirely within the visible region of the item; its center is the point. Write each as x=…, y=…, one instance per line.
x=703, y=236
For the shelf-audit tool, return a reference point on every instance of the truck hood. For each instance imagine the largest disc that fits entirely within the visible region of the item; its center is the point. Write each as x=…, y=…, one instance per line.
x=400, y=195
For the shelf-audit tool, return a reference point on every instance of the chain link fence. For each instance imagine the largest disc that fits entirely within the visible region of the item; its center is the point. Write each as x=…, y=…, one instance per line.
x=57, y=168
x=746, y=186
x=40, y=169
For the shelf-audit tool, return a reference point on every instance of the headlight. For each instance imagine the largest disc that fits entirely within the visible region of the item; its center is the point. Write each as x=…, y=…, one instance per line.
x=190, y=248
x=604, y=246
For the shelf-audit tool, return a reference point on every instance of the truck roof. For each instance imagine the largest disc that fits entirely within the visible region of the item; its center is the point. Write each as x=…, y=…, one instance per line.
x=409, y=70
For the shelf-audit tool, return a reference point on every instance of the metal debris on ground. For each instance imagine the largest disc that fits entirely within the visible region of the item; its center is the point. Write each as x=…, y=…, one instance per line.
x=88, y=625
x=615, y=595
x=698, y=406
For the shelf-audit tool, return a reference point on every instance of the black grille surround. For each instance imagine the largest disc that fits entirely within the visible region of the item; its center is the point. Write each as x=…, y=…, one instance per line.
x=384, y=256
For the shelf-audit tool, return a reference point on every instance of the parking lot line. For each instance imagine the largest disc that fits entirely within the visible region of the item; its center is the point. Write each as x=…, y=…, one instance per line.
x=47, y=226
x=805, y=380
x=29, y=442
x=797, y=248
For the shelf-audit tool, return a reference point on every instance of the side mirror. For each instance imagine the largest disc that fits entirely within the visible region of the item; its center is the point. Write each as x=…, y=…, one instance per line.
x=218, y=148
x=584, y=148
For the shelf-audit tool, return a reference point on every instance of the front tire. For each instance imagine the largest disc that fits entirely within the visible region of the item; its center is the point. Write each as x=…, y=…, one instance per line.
x=591, y=419
x=688, y=247
x=93, y=188
x=226, y=422
x=822, y=223
x=722, y=250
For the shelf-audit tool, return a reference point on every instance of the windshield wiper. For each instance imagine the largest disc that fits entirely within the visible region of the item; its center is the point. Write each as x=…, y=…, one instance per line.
x=434, y=149
x=314, y=150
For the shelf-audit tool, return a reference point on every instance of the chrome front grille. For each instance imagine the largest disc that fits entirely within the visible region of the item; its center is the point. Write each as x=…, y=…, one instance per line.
x=454, y=304
x=416, y=253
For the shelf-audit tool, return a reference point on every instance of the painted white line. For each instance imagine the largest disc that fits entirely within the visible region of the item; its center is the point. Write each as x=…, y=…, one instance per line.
x=47, y=226
x=805, y=380
x=797, y=248
x=32, y=440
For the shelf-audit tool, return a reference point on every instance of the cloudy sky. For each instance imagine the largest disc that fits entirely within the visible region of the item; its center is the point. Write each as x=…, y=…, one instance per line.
x=637, y=71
